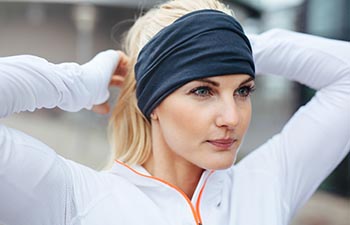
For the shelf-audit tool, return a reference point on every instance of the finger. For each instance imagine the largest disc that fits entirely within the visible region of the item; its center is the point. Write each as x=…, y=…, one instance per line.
x=101, y=109
x=115, y=84
x=116, y=80
x=124, y=59
x=123, y=64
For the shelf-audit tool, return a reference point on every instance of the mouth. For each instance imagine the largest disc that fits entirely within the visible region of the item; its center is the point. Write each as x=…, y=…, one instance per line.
x=222, y=144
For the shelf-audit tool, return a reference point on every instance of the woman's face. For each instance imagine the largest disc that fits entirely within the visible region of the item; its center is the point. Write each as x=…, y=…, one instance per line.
x=203, y=122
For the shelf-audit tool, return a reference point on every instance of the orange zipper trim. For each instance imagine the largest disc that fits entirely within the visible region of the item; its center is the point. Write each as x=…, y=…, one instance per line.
x=195, y=212
x=200, y=196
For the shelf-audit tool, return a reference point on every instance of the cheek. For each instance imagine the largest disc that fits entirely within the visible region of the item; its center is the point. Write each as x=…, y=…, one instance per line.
x=181, y=124
x=184, y=125
x=246, y=115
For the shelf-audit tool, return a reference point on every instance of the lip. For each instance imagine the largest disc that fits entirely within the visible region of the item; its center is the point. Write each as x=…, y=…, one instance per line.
x=222, y=143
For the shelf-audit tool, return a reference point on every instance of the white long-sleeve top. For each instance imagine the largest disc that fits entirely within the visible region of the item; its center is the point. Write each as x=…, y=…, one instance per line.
x=266, y=188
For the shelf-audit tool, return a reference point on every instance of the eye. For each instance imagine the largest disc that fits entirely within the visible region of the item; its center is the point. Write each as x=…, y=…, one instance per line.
x=245, y=91
x=202, y=91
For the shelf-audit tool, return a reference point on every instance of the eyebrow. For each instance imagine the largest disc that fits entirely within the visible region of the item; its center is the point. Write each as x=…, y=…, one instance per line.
x=247, y=80
x=216, y=84
x=206, y=80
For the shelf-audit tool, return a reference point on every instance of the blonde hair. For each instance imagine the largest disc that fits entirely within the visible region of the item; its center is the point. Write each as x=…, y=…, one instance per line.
x=130, y=131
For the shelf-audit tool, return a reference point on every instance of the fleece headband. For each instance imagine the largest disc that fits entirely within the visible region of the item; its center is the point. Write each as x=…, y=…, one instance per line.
x=200, y=44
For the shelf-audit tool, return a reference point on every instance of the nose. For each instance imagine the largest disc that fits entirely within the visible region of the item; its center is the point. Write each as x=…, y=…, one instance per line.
x=228, y=115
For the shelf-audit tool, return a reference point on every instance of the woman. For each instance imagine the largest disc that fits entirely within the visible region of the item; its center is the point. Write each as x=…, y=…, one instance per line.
x=181, y=116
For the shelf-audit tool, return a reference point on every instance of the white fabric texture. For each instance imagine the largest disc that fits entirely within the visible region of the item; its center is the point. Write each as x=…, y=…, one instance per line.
x=266, y=188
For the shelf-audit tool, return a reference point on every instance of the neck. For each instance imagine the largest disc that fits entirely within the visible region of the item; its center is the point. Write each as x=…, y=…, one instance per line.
x=182, y=175
x=165, y=164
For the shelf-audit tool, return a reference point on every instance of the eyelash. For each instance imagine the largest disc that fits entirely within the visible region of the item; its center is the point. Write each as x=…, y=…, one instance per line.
x=207, y=88
x=210, y=92
x=249, y=89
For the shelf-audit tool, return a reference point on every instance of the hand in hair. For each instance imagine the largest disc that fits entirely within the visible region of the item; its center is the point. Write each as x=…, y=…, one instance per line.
x=117, y=80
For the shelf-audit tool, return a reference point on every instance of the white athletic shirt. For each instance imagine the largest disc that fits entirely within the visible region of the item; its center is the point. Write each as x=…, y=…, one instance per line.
x=265, y=188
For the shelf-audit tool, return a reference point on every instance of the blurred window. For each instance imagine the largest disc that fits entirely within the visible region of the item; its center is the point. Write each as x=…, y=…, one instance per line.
x=327, y=18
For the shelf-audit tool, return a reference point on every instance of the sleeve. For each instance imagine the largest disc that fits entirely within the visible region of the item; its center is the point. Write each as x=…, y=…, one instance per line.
x=29, y=82
x=35, y=183
x=35, y=186
x=317, y=137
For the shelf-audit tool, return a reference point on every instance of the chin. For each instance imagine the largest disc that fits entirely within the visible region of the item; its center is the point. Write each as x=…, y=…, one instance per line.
x=221, y=165
x=223, y=162
x=224, y=166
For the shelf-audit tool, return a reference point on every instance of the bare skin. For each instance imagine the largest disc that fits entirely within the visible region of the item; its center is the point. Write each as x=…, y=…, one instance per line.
x=199, y=126
x=171, y=168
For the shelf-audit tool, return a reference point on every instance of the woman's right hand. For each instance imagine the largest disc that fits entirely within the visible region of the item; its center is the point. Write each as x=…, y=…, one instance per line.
x=117, y=80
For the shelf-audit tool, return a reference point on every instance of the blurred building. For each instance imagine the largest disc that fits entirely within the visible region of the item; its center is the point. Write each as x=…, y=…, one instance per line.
x=63, y=30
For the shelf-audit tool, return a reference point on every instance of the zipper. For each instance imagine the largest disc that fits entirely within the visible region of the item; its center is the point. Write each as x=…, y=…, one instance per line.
x=195, y=210
x=200, y=196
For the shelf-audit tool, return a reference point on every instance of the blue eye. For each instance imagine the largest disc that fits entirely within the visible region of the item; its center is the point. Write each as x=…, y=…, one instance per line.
x=202, y=91
x=245, y=91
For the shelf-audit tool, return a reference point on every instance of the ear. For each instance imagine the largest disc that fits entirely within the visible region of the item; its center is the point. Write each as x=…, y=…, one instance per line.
x=154, y=115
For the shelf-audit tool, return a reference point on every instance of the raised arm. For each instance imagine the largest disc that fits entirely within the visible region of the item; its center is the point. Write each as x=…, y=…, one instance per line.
x=29, y=82
x=35, y=183
x=317, y=137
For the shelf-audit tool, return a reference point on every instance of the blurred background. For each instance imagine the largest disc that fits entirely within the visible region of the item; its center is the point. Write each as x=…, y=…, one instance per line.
x=76, y=30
